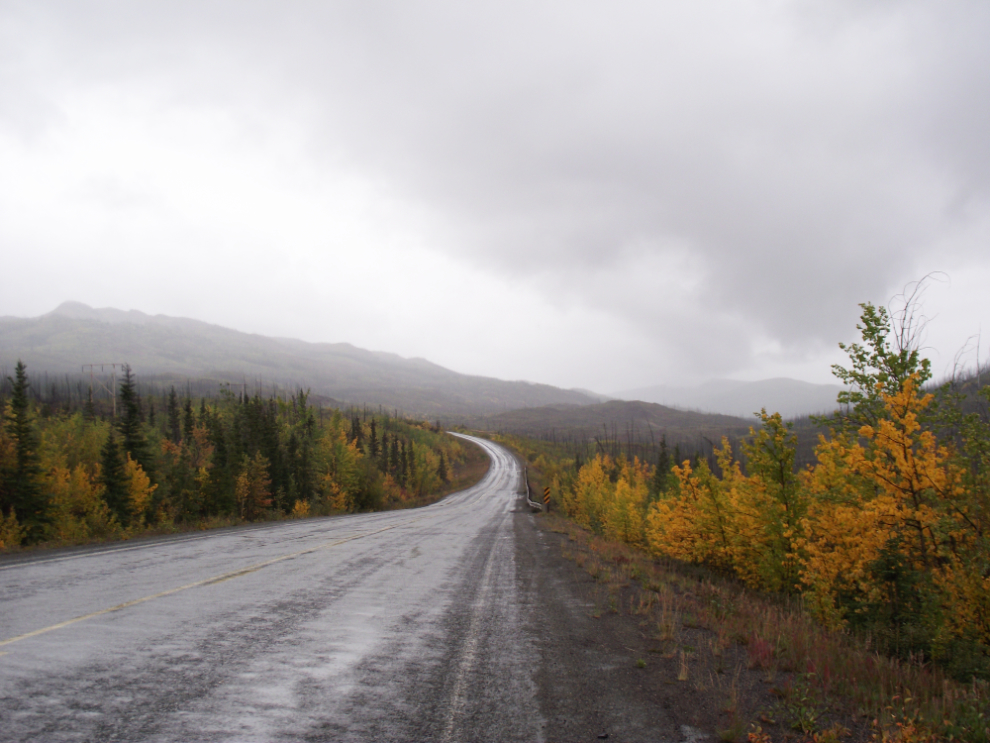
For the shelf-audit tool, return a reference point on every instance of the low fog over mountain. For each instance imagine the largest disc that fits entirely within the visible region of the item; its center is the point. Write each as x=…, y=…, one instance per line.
x=789, y=397
x=176, y=349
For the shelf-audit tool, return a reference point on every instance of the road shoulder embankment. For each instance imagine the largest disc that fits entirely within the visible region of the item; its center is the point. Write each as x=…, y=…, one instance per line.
x=599, y=672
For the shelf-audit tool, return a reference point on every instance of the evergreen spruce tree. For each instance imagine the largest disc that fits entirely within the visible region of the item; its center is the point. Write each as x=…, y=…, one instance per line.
x=218, y=440
x=174, y=422
x=373, y=439
x=356, y=430
x=129, y=423
x=20, y=487
x=151, y=412
x=403, y=464
x=113, y=480
x=272, y=449
x=292, y=452
x=383, y=462
x=237, y=448
x=662, y=471
x=188, y=422
x=442, y=469
x=305, y=476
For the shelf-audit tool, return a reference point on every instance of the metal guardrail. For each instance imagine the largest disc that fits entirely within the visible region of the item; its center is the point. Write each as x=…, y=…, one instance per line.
x=529, y=493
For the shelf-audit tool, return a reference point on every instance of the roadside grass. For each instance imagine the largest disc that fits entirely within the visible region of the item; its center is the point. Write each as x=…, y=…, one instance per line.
x=725, y=639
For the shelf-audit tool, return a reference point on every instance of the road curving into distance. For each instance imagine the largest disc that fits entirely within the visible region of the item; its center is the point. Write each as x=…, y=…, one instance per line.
x=401, y=625
x=459, y=621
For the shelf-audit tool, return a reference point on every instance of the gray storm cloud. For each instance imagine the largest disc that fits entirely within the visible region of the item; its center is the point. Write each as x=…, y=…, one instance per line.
x=713, y=179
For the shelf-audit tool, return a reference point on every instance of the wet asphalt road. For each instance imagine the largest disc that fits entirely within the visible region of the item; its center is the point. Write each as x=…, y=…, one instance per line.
x=405, y=625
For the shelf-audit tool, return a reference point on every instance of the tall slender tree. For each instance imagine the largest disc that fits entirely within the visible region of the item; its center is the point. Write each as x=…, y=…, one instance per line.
x=403, y=464
x=373, y=439
x=383, y=463
x=442, y=469
x=188, y=422
x=129, y=423
x=394, y=458
x=113, y=480
x=661, y=474
x=21, y=488
x=174, y=417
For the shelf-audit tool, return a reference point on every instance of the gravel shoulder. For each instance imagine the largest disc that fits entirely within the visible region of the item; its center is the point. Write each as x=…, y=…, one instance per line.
x=591, y=678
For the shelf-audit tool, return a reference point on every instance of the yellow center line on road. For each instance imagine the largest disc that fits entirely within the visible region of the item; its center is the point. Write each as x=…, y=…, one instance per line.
x=204, y=582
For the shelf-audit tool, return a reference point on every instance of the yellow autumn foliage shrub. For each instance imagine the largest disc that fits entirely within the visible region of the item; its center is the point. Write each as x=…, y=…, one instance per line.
x=743, y=523
x=139, y=491
x=78, y=511
x=623, y=514
x=392, y=492
x=894, y=489
x=338, y=468
x=592, y=489
x=11, y=532
x=694, y=524
x=608, y=496
x=253, y=488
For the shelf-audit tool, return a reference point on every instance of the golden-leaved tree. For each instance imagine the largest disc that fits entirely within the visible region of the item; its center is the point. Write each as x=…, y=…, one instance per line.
x=623, y=513
x=139, y=491
x=585, y=502
x=253, y=488
x=891, y=525
x=746, y=523
x=696, y=522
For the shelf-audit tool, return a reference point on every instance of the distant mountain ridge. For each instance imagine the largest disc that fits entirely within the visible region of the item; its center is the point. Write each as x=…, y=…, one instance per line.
x=158, y=346
x=634, y=412
x=789, y=397
x=626, y=421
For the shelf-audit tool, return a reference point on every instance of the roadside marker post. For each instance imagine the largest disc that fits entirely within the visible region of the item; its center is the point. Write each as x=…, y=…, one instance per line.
x=533, y=504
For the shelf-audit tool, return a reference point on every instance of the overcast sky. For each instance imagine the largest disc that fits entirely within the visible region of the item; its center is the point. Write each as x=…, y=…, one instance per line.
x=591, y=194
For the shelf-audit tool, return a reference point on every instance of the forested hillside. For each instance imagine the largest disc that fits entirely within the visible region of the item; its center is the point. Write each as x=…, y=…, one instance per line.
x=72, y=471
x=169, y=350
x=632, y=428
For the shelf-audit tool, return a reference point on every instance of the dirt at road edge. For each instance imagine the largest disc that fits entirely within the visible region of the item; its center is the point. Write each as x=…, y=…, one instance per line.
x=599, y=672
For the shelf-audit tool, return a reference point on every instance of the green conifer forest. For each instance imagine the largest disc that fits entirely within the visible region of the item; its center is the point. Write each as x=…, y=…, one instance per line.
x=76, y=468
